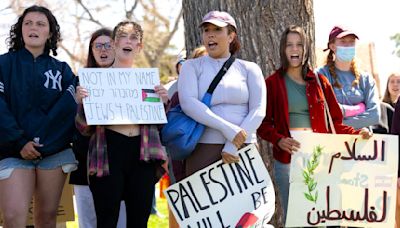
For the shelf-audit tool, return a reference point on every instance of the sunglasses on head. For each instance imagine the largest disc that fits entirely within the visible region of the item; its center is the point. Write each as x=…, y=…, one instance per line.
x=98, y=46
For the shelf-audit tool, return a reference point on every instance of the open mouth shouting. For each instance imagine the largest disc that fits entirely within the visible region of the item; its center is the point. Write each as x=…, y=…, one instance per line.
x=103, y=56
x=295, y=57
x=127, y=50
x=212, y=45
x=33, y=35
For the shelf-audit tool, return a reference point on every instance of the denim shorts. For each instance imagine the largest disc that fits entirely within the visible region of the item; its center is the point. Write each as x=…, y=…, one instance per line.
x=65, y=159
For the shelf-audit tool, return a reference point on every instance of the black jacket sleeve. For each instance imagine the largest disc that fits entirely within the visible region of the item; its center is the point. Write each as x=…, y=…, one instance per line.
x=12, y=137
x=396, y=129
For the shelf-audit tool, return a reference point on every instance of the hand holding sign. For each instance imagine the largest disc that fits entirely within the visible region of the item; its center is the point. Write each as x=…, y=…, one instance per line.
x=80, y=94
x=330, y=184
x=240, y=138
x=288, y=144
x=162, y=92
x=122, y=96
x=225, y=195
x=365, y=133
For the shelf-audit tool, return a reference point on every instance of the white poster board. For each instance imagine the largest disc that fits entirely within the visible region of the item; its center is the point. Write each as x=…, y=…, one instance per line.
x=122, y=96
x=225, y=195
x=343, y=180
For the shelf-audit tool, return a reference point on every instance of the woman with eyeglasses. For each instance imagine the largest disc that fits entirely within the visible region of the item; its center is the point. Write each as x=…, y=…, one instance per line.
x=132, y=153
x=100, y=55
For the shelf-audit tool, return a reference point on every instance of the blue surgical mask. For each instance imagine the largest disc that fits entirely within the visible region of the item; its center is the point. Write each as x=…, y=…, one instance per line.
x=345, y=54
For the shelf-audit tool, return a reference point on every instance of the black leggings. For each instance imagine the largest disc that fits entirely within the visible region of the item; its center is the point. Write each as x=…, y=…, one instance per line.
x=130, y=179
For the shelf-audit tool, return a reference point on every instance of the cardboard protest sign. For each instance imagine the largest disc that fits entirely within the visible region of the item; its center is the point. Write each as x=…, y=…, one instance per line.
x=225, y=195
x=343, y=180
x=65, y=210
x=122, y=96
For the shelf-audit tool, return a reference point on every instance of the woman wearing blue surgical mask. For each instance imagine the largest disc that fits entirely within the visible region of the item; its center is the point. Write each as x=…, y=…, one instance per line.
x=354, y=90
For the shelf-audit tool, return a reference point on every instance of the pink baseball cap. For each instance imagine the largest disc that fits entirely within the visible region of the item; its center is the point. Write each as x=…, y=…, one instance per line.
x=219, y=18
x=339, y=32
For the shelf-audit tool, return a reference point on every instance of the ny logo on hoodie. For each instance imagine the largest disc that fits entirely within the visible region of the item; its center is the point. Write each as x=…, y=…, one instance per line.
x=56, y=79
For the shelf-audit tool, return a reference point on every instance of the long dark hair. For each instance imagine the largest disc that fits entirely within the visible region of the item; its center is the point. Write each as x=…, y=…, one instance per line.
x=306, y=49
x=234, y=46
x=91, y=61
x=16, y=42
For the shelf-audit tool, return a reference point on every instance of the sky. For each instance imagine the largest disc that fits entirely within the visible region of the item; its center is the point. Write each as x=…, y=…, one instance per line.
x=110, y=16
x=373, y=21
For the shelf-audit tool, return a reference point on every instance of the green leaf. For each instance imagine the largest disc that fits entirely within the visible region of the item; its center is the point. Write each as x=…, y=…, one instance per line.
x=309, y=165
x=308, y=174
x=307, y=180
x=305, y=175
x=313, y=185
x=315, y=165
x=309, y=197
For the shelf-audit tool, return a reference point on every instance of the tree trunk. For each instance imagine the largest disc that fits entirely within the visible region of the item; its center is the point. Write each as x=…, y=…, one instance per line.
x=260, y=25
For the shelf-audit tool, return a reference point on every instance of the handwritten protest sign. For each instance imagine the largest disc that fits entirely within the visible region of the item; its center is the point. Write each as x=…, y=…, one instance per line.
x=122, y=96
x=225, y=195
x=343, y=180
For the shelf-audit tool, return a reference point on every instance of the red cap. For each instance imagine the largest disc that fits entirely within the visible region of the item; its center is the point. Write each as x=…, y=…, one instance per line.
x=339, y=32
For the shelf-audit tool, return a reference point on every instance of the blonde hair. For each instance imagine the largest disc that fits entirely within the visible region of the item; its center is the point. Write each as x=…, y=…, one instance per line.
x=386, y=96
x=353, y=68
x=198, y=52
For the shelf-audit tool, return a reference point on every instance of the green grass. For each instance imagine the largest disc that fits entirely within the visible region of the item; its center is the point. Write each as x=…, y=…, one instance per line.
x=157, y=222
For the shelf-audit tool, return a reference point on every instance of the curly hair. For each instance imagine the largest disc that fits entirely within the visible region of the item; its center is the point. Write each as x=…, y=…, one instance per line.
x=91, y=61
x=138, y=29
x=16, y=42
x=353, y=68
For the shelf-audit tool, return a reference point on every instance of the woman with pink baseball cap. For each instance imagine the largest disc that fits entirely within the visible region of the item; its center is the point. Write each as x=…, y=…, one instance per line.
x=354, y=90
x=238, y=103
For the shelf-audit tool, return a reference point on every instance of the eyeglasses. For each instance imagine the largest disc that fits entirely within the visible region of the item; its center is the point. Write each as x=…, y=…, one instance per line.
x=99, y=46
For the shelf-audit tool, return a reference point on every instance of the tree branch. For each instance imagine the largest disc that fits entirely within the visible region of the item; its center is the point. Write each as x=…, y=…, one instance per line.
x=155, y=13
x=166, y=41
x=91, y=18
x=71, y=55
x=129, y=13
x=6, y=8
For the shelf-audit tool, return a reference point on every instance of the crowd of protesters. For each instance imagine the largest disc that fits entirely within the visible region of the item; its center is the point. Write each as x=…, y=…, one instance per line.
x=44, y=135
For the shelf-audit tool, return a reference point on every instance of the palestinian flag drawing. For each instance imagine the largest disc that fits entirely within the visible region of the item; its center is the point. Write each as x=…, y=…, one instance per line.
x=247, y=221
x=150, y=95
